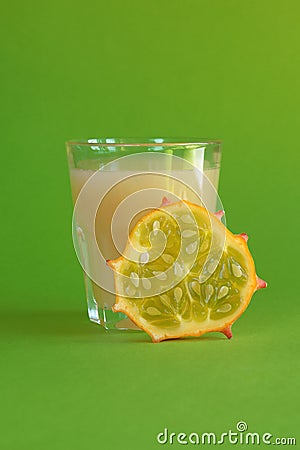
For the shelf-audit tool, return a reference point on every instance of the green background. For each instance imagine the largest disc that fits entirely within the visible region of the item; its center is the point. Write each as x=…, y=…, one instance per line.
x=225, y=69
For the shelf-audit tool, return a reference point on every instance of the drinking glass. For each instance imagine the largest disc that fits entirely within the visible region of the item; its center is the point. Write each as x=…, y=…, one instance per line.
x=114, y=183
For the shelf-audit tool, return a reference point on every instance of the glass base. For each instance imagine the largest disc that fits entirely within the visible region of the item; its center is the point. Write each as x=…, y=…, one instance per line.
x=111, y=320
x=105, y=316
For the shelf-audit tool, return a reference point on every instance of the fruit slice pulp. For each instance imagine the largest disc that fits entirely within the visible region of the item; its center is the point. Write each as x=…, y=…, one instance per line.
x=183, y=273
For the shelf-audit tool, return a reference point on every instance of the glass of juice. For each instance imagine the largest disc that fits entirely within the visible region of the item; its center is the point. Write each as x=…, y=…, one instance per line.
x=114, y=183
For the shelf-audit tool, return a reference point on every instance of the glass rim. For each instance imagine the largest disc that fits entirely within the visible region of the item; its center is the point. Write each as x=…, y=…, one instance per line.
x=142, y=142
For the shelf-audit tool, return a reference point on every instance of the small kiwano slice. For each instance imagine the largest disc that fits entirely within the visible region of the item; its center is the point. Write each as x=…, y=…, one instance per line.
x=192, y=275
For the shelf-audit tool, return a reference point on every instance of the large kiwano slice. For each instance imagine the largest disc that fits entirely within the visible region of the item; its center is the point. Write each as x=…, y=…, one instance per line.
x=183, y=273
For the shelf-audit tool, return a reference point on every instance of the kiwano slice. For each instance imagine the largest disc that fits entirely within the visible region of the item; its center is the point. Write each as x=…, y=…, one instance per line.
x=183, y=273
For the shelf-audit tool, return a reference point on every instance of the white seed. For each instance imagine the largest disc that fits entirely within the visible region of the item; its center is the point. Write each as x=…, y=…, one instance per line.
x=156, y=227
x=188, y=233
x=153, y=311
x=144, y=258
x=160, y=275
x=165, y=300
x=224, y=271
x=167, y=258
x=211, y=266
x=130, y=291
x=236, y=270
x=209, y=290
x=178, y=269
x=224, y=308
x=134, y=279
x=177, y=293
x=223, y=292
x=187, y=219
x=202, y=278
x=196, y=287
x=191, y=248
x=146, y=283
